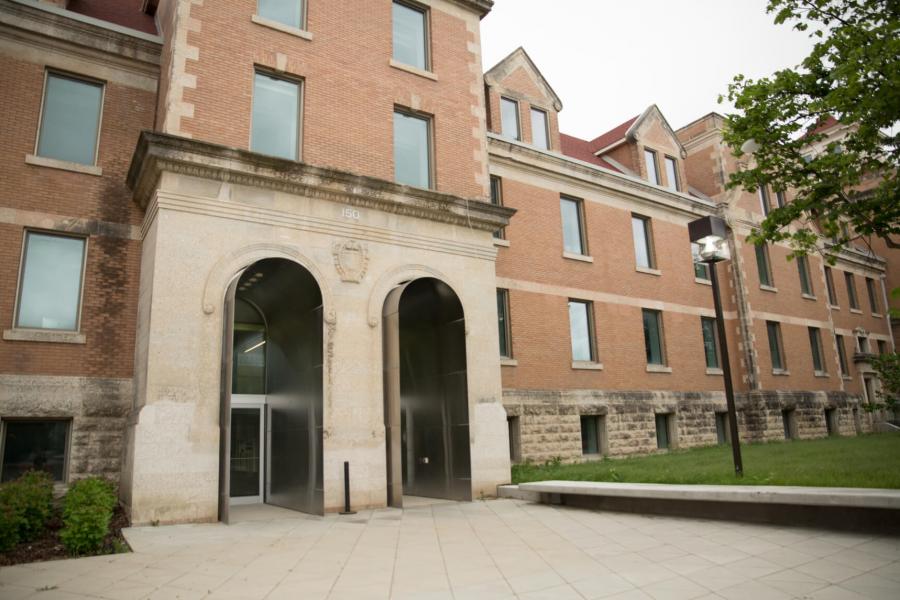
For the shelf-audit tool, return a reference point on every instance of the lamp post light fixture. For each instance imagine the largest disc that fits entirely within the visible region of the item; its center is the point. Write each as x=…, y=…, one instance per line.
x=710, y=233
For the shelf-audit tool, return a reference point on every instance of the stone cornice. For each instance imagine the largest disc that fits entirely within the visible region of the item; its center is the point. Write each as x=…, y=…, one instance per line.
x=523, y=155
x=482, y=7
x=55, y=28
x=157, y=153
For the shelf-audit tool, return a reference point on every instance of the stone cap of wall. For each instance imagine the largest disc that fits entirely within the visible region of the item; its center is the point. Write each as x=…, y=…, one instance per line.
x=157, y=153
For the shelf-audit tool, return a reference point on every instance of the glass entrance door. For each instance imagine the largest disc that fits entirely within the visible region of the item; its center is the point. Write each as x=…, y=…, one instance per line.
x=247, y=430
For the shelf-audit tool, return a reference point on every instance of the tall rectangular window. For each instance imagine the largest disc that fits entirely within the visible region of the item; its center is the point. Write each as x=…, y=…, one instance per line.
x=663, y=431
x=829, y=285
x=592, y=431
x=412, y=149
x=764, y=201
x=873, y=295
x=652, y=163
x=780, y=199
x=806, y=285
x=643, y=242
x=514, y=427
x=851, y=290
x=410, y=24
x=815, y=347
x=653, y=337
x=286, y=12
x=572, y=225
x=672, y=173
x=509, y=119
x=581, y=330
x=882, y=347
x=34, y=446
x=497, y=199
x=276, y=117
x=503, y=323
x=539, y=135
x=763, y=266
x=70, y=119
x=723, y=435
x=842, y=354
x=710, y=342
x=50, y=282
x=701, y=269
x=776, y=348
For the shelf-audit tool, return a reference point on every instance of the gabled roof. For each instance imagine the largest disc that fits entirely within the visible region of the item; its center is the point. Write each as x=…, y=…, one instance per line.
x=613, y=136
x=628, y=129
x=581, y=149
x=513, y=60
x=825, y=123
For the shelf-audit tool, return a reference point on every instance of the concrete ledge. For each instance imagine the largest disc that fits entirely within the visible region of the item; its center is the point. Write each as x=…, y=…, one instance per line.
x=753, y=494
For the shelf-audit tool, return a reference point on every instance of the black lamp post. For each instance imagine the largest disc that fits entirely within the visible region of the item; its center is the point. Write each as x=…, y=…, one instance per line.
x=711, y=234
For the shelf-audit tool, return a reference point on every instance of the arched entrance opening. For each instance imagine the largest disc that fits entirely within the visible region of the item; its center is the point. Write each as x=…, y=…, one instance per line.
x=426, y=393
x=271, y=413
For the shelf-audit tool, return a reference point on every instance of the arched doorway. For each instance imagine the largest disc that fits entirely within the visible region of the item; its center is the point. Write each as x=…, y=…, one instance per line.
x=426, y=393
x=271, y=414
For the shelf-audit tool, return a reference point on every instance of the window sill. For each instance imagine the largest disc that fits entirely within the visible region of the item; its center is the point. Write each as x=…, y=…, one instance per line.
x=714, y=371
x=658, y=369
x=44, y=335
x=591, y=457
x=581, y=257
x=501, y=242
x=648, y=271
x=768, y=288
x=846, y=378
x=63, y=165
x=702, y=281
x=414, y=70
x=834, y=307
x=781, y=372
x=586, y=365
x=855, y=311
x=878, y=315
x=295, y=31
x=821, y=374
x=808, y=297
x=508, y=362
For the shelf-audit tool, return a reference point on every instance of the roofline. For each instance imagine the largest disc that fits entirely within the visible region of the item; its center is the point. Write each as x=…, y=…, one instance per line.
x=108, y=25
x=707, y=115
x=632, y=129
x=557, y=103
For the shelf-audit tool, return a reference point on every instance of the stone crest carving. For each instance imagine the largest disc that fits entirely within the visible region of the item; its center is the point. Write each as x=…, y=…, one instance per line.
x=350, y=259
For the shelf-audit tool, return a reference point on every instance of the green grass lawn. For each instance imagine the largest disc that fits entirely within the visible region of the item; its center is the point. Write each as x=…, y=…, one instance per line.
x=871, y=461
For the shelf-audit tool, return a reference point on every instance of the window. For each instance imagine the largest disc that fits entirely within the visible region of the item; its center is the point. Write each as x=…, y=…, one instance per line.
x=34, y=446
x=851, y=291
x=815, y=346
x=412, y=149
x=831, y=421
x=664, y=431
x=672, y=173
x=776, y=349
x=50, y=282
x=764, y=201
x=653, y=337
x=581, y=330
x=882, y=346
x=806, y=285
x=780, y=199
x=862, y=343
x=710, y=342
x=276, y=117
x=513, y=424
x=592, y=434
x=70, y=119
x=503, y=323
x=763, y=266
x=410, y=35
x=829, y=284
x=509, y=119
x=789, y=422
x=573, y=225
x=652, y=164
x=701, y=269
x=842, y=354
x=497, y=199
x=286, y=12
x=643, y=242
x=873, y=296
x=539, y=135
x=723, y=434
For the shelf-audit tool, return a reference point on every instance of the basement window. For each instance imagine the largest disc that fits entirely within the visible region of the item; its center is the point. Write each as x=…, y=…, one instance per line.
x=664, y=431
x=34, y=446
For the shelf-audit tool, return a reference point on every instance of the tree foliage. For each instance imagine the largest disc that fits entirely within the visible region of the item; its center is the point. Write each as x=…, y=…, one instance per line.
x=853, y=75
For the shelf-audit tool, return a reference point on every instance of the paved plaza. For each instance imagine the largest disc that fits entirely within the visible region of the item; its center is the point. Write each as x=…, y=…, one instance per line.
x=485, y=549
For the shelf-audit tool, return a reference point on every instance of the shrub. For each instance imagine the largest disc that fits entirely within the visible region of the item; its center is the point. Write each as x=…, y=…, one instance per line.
x=87, y=510
x=25, y=507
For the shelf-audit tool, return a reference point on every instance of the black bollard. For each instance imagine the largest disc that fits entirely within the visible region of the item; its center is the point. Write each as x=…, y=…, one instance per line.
x=347, y=510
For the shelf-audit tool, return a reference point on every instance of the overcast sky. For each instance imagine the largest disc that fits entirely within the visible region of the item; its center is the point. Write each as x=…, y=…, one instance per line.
x=608, y=60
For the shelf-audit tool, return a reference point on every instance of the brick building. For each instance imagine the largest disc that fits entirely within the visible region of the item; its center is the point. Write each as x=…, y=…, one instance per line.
x=245, y=242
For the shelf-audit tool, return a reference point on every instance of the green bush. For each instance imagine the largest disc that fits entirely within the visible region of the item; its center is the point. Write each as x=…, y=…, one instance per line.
x=87, y=510
x=25, y=507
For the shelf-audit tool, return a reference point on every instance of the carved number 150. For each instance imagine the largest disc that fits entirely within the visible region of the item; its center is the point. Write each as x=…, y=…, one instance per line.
x=350, y=213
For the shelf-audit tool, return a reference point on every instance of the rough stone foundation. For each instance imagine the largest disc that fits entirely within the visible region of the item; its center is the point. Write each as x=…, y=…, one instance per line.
x=97, y=408
x=549, y=424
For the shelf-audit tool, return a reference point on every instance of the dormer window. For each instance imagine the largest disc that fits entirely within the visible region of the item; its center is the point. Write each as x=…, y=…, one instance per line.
x=509, y=119
x=672, y=174
x=540, y=138
x=652, y=162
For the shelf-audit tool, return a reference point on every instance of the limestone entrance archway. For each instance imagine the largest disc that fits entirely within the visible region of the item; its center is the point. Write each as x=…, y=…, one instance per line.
x=426, y=393
x=272, y=389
